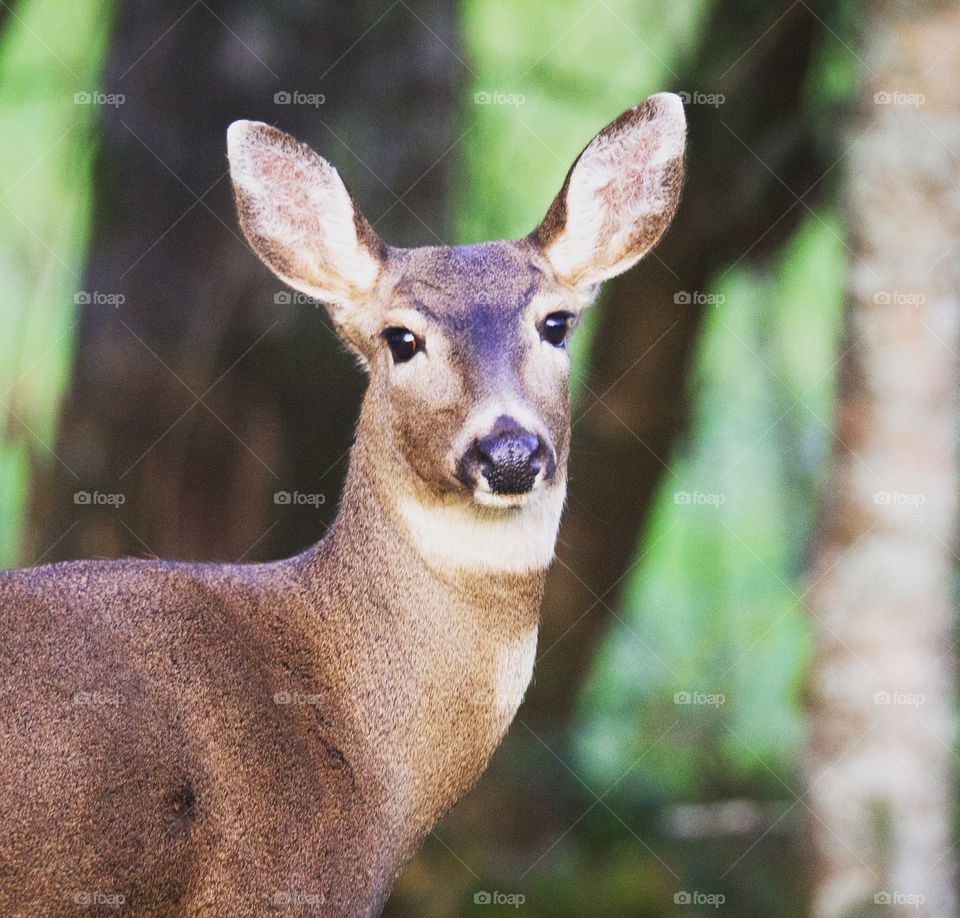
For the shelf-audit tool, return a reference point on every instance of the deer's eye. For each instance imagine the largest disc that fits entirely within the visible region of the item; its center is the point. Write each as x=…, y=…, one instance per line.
x=402, y=342
x=556, y=327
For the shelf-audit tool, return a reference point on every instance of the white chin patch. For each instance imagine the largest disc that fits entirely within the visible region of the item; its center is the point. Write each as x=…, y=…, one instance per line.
x=496, y=533
x=484, y=497
x=503, y=501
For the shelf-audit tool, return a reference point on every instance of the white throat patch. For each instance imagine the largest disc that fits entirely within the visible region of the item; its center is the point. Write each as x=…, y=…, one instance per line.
x=470, y=538
x=514, y=672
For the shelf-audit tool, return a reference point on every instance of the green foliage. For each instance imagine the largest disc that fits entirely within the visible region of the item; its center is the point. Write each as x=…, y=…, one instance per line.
x=715, y=604
x=49, y=52
x=836, y=70
x=570, y=67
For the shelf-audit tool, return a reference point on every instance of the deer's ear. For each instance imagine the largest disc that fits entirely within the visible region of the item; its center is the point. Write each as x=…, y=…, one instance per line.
x=300, y=219
x=619, y=196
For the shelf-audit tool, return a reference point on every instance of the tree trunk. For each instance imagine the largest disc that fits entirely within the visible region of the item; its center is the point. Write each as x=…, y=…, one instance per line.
x=879, y=766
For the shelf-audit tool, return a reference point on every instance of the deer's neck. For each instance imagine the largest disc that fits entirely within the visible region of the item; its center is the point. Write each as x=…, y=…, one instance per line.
x=434, y=639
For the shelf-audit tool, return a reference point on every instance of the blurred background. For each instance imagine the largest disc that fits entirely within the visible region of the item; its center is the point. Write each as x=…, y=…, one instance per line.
x=743, y=701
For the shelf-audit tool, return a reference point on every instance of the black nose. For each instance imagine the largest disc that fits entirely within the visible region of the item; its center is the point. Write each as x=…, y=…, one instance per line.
x=510, y=460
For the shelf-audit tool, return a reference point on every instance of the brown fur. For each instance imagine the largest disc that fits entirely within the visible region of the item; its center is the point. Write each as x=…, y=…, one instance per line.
x=191, y=739
x=185, y=787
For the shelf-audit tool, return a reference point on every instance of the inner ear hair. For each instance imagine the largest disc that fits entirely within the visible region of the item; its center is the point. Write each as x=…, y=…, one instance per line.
x=619, y=196
x=299, y=217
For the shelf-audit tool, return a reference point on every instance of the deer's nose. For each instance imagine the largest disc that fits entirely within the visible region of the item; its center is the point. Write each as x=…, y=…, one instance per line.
x=510, y=460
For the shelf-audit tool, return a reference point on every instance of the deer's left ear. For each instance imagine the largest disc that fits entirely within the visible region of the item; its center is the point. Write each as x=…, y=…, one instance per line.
x=619, y=196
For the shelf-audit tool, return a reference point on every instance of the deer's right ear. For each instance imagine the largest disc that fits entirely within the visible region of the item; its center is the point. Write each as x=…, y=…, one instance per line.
x=619, y=196
x=300, y=219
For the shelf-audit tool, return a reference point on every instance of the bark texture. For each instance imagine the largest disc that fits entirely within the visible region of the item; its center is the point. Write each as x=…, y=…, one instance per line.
x=879, y=766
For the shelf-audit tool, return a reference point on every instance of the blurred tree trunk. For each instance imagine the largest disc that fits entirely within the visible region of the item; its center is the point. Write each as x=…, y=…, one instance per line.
x=199, y=316
x=879, y=765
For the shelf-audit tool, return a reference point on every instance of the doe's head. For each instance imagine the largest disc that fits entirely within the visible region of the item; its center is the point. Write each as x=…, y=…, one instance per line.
x=465, y=345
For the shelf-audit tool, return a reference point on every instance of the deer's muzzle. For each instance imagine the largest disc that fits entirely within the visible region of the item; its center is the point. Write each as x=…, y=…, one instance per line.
x=509, y=460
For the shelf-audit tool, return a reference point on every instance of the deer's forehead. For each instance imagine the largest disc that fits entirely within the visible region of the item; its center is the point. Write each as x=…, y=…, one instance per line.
x=476, y=288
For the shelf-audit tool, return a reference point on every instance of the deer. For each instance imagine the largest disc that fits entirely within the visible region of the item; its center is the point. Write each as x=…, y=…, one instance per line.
x=195, y=739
